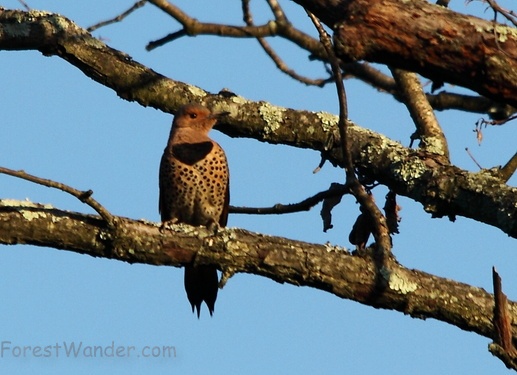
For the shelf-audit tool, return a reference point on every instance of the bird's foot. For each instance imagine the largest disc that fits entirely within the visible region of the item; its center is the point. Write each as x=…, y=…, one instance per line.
x=213, y=227
x=167, y=225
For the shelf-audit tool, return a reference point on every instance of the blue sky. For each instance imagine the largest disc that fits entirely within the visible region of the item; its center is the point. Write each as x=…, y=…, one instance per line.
x=58, y=124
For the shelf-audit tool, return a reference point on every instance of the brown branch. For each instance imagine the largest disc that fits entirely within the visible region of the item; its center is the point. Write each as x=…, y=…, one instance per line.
x=429, y=132
x=324, y=267
x=280, y=64
x=193, y=27
x=439, y=44
x=279, y=27
x=508, y=14
x=476, y=104
x=503, y=346
x=83, y=196
x=506, y=172
x=25, y=5
x=336, y=190
x=377, y=157
x=166, y=39
x=362, y=71
x=473, y=158
x=380, y=228
x=118, y=18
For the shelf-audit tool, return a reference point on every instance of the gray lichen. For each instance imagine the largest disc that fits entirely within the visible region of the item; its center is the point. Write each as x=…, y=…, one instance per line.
x=398, y=282
x=197, y=91
x=501, y=32
x=328, y=120
x=409, y=171
x=272, y=115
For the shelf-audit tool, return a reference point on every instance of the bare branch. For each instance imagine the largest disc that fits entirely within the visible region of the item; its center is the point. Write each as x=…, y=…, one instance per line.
x=273, y=28
x=503, y=335
x=83, y=196
x=476, y=104
x=324, y=267
x=166, y=39
x=508, y=14
x=336, y=190
x=378, y=158
x=429, y=132
x=277, y=10
x=508, y=170
x=194, y=27
x=118, y=18
x=280, y=64
x=363, y=71
x=25, y=5
x=380, y=230
x=473, y=158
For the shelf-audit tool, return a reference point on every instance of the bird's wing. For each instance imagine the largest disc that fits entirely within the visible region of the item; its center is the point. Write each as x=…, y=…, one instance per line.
x=224, y=215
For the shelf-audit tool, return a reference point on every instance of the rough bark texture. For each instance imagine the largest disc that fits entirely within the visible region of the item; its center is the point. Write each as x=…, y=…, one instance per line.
x=426, y=38
x=325, y=267
x=444, y=190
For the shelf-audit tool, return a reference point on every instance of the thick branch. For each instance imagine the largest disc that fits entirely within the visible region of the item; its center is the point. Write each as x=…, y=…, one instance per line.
x=324, y=267
x=443, y=190
x=432, y=40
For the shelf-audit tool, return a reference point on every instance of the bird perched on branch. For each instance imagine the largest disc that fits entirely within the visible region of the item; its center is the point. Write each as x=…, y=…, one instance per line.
x=194, y=189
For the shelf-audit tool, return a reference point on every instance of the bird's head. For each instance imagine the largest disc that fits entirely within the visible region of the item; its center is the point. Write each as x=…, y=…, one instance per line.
x=197, y=117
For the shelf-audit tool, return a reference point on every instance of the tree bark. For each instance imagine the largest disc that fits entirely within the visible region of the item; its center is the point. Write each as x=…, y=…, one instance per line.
x=359, y=277
x=442, y=189
x=429, y=39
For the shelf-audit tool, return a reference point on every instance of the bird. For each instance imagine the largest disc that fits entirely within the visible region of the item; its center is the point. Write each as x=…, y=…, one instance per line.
x=194, y=189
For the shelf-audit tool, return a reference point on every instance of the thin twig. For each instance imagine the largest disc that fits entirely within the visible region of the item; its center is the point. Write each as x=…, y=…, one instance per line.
x=472, y=157
x=284, y=29
x=305, y=205
x=280, y=64
x=25, y=5
x=118, y=18
x=380, y=232
x=508, y=14
x=166, y=39
x=83, y=196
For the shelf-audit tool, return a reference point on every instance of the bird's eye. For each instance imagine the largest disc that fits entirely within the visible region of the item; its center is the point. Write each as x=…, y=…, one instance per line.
x=193, y=115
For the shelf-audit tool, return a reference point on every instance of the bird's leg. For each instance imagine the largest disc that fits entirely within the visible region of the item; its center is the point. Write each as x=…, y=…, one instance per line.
x=213, y=227
x=166, y=225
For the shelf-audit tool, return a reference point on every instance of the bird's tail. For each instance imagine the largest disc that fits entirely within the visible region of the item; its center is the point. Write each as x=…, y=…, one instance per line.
x=201, y=284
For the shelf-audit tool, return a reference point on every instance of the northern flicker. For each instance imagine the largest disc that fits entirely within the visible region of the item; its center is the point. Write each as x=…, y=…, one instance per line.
x=194, y=189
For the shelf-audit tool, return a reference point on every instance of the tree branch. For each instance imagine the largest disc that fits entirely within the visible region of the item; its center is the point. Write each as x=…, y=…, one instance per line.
x=428, y=130
x=336, y=190
x=280, y=64
x=118, y=18
x=323, y=267
x=439, y=44
x=380, y=228
x=83, y=196
x=443, y=190
x=502, y=347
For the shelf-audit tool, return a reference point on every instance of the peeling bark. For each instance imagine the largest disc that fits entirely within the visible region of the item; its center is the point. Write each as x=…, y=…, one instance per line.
x=425, y=38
